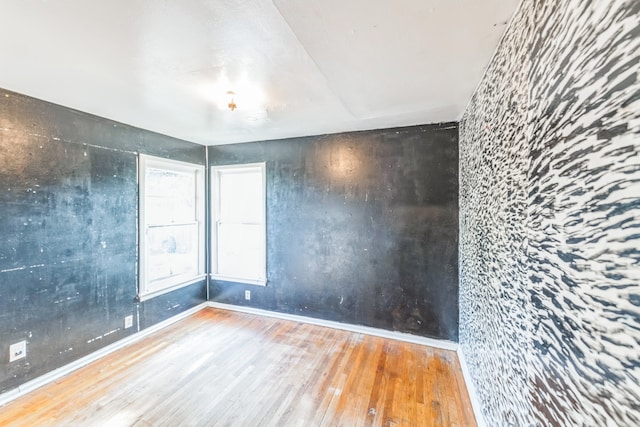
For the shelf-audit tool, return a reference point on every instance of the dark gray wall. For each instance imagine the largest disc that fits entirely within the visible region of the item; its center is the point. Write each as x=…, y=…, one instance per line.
x=68, y=203
x=362, y=228
x=550, y=219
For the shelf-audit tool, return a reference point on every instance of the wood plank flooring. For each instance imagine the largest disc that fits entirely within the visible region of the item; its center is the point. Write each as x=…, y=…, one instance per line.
x=222, y=368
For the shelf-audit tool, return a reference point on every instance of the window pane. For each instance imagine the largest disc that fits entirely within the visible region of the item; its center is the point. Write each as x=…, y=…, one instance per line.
x=172, y=250
x=170, y=196
x=241, y=196
x=240, y=252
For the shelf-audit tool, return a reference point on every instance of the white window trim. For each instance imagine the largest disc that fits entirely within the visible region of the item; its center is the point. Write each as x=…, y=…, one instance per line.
x=215, y=215
x=179, y=281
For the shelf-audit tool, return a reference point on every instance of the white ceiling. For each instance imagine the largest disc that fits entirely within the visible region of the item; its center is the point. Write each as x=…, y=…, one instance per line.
x=296, y=67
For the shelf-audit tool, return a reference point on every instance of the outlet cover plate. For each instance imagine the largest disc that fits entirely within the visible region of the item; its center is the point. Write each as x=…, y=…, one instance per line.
x=17, y=351
x=128, y=321
x=247, y=295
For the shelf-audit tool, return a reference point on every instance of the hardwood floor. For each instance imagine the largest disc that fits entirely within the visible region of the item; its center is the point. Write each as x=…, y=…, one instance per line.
x=232, y=369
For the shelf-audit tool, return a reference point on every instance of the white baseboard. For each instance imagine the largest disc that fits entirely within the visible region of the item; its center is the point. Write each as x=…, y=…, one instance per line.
x=471, y=389
x=367, y=330
x=83, y=361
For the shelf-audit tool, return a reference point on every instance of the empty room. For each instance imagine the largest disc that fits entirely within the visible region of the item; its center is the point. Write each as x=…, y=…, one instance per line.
x=335, y=213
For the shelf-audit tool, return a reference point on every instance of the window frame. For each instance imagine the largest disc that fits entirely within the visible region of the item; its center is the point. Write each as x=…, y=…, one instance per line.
x=145, y=289
x=215, y=172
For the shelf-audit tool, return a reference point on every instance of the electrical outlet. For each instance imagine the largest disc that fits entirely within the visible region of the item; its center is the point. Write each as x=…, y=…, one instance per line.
x=128, y=321
x=247, y=295
x=17, y=351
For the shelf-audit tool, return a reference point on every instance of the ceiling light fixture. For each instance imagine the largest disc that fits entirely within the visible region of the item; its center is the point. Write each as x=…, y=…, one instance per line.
x=232, y=105
x=227, y=95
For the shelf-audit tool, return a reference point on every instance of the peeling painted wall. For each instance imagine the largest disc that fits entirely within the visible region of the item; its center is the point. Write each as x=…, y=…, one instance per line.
x=362, y=228
x=68, y=227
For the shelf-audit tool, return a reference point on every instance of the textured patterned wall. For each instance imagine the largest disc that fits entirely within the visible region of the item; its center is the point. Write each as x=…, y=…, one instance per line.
x=493, y=203
x=550, y=219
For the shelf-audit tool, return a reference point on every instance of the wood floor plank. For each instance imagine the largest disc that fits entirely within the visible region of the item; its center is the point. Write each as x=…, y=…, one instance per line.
x=231, y=369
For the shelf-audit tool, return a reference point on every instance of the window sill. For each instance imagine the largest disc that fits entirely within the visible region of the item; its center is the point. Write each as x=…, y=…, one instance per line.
x=148, y=295
x=257, y=282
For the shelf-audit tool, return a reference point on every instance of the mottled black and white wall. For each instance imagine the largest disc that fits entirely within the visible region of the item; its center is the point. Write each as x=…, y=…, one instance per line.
x=550, y=219
x=362, y=228
x=68, y=234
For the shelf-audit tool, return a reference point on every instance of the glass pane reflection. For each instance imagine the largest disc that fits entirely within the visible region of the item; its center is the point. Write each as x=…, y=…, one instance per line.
x=239, y=250
x=172, y=250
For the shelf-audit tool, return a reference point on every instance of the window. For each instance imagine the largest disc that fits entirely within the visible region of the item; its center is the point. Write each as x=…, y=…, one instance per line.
x=238, y=226
x=171, y=225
